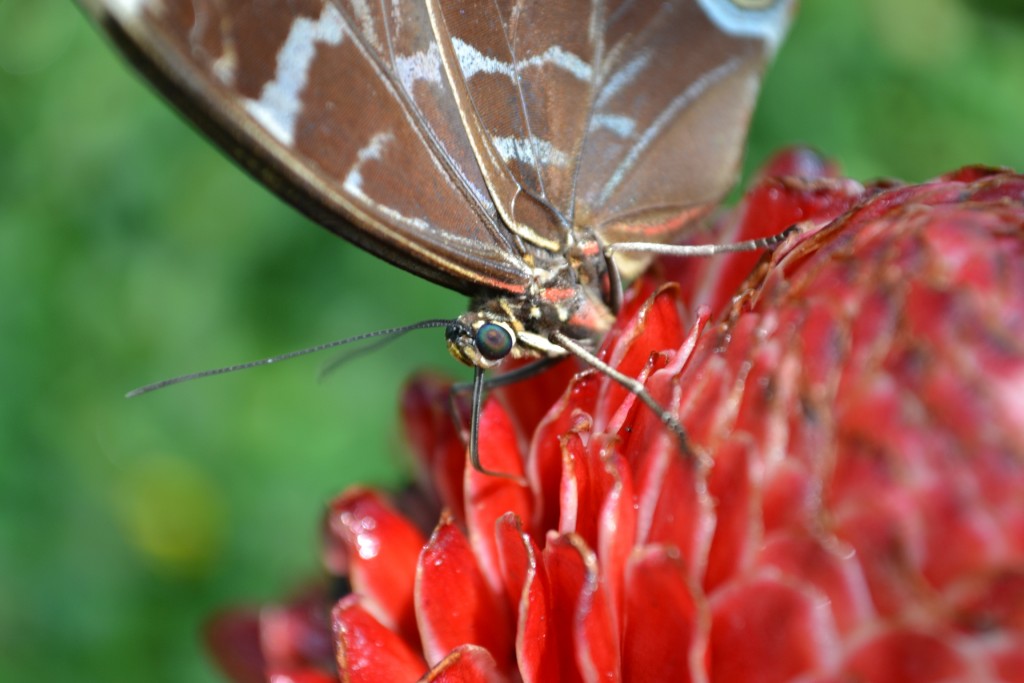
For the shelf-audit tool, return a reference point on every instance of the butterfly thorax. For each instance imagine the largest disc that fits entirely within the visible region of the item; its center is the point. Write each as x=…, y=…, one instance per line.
x=569, y=294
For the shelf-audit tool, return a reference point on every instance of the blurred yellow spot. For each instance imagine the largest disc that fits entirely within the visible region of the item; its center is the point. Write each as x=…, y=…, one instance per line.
x=171, y=512
x=922, y=33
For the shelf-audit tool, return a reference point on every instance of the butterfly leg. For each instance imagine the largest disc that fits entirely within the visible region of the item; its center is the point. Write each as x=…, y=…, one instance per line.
x=478, y=386
x=704, y=249
x=633, y=386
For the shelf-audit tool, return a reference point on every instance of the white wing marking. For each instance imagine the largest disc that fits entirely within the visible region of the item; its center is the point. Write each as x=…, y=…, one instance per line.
x=473, y=62
x=420, y=66
x=678, y=103
x=622, y=78
x=523, y=150
x=769, y=24
x=621, y=125
x=280, y=101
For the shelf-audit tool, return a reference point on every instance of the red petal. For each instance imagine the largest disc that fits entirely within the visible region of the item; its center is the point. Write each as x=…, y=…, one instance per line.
x=837, y=574
x=772, y=205
x=575, y=482
x=489, y=497
x=544, y=467
x=529, y=401
x=798, y=162
x=296, y=636
x=673, y=505
x=994, y=602
x=582, y=617
x=303, y=676
x=636, y=297
x=234, y=640
x=596, y=635
x=766, y=631
x=738, y=521
x=466, y=664
x=431, y=432
x=380, y=550
x=1008, y=662
x=616, y=531
x=367, y=651
x=664, y=629
x=907, y=657
x=537, y=647
x=454, y=602
x=656, y=327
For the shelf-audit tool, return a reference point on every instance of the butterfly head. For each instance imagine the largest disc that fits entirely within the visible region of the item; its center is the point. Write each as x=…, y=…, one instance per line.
x=504, y=328
x=479, y=342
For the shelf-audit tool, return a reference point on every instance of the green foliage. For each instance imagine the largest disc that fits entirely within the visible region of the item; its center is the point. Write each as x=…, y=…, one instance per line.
x=130, y=251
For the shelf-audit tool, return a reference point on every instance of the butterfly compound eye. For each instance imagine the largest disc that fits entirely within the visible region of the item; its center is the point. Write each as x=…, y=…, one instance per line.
x=493, y=341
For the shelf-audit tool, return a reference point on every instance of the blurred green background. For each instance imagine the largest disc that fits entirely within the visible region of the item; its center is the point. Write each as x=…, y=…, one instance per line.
x=131, y=251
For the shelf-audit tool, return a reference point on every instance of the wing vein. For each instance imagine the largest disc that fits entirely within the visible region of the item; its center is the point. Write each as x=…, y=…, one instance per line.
x=422, y=129
x=672, y=110
x=517, y=79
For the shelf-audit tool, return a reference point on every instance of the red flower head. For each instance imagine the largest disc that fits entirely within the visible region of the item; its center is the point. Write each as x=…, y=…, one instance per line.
x=855, y=513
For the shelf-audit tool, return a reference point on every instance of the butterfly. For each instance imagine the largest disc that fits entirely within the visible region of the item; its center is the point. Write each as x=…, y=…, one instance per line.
x=530, y=154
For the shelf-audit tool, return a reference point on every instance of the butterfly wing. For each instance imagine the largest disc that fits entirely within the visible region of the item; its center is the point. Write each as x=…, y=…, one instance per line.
x=344, y=110
x=451, y=137
x=626, y=117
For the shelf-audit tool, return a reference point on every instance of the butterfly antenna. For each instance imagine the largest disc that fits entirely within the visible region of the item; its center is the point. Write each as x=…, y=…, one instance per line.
x=388, y=334
x=335, y=363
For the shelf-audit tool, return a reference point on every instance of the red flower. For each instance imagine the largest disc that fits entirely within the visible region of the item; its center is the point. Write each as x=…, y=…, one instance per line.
x=856, y=513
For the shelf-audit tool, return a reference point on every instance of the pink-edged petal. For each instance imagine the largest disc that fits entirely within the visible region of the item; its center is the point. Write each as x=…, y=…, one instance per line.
x=466, y=664
x=738, y=528
x=593, y=474
x=881, y=534
x=575, y=482
x=833, y=570
x=233, y=638
x=791, y=497
x=1007, y=661
x=572, y=412
x=378, y=549
x=537, y=647
x=673, y=505
x=301, y=676
x=636, y=297
x=296, y=636
x=488, y=497
x=906, y=656
x=769, y=631
x=664, y=626
x=455, y=604
x=635, y=428
x=431, y=432
x=994, y=601
x=656, y=327
x=582, y=615
x=596, y=634
x=990, y=184
x=367, y=651
x=798, y=162
x=530, y=400
x=782, y=197
x=516, y=556
x=616, y=531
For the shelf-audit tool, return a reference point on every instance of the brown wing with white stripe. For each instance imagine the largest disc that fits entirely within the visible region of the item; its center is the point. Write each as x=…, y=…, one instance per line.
x=449, y=135
x=343, y=108
x=628, y=117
